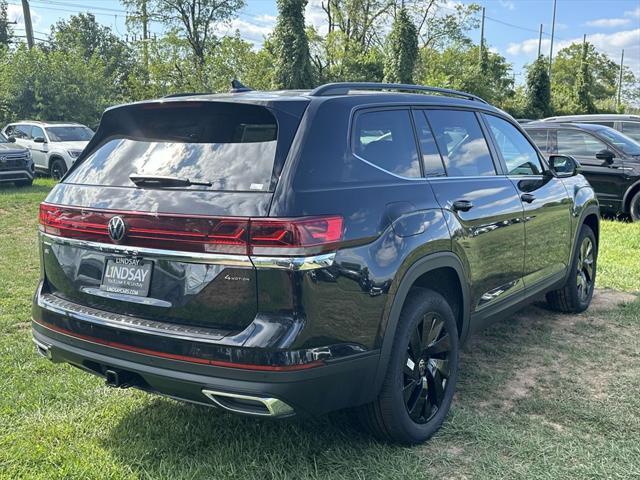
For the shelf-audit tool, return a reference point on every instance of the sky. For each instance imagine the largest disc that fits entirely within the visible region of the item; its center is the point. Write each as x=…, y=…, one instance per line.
x=511, y=26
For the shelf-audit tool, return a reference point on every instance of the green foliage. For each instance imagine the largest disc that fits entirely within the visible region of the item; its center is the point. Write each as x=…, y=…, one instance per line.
x=538, y=93
x=596, y=78
x=292, y=68
x=6, y=32
x=402, y=49
x=457, y=67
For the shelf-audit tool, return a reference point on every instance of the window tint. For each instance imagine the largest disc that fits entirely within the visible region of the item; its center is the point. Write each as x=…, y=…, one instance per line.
x=22, y=131
x=69, y=134
x=631, y=129
x=233, y=146
x=540, y=138
x=37, y=132
x=461, y=142
x=431, y=160
x=574, y=142
x=385, y=138
x=519, y=155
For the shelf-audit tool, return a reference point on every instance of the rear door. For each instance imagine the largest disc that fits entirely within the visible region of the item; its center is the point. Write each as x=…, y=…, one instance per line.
x=546, y=203
x=174, y=254
x=39, y=150
x=607, y=179
x=482, y=208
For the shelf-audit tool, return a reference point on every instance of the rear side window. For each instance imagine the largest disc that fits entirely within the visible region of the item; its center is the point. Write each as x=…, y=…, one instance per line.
x=22, y=131
x=233, y=146
x=539, y=136
x=461, y=143
x=575, y=142
x=631, y=129
x=385, y=139
x=431, y=160
x=519, y=155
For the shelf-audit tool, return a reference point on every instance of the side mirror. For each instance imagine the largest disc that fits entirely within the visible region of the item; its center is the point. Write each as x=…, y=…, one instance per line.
x=11, y=139
x=605, y=155
x=564, y=166
x=39, y=140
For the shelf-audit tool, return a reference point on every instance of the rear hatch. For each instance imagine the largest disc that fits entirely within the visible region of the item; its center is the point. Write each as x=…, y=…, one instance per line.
x=153, y=220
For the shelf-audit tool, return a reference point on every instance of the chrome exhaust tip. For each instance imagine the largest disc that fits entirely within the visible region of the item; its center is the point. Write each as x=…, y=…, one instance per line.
x=43, y=349
x=249, y=405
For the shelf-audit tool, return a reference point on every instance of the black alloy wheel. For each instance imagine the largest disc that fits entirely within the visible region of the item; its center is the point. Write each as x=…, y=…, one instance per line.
x=58, y=169
x=585, y=269
x=420, y=380
x=634, y=209
x=426, y=368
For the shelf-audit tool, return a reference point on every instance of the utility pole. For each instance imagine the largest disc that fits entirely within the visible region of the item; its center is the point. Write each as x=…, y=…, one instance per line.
x=539, y=41
x=620, y=79
x=553, y=30
x=26, y=11
x=481, y=38
x=145, y=34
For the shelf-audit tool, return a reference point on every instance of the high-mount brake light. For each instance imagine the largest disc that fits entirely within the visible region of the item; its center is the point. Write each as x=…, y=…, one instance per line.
x=232, y=235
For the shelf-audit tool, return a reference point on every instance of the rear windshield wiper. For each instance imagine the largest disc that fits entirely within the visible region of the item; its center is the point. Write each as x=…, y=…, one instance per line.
x=164, y=181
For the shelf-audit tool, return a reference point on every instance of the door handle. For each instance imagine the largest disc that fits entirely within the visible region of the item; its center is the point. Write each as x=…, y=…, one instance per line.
x=462, y=205
x=527, y=197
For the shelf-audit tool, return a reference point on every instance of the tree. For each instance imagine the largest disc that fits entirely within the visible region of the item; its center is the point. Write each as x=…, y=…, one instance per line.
x=6, y=32
x=291, y=47
x=193, y=19
x=441, y=23
x=402, y=49
x=538, y=93
x=583, y=85
x=82, y=35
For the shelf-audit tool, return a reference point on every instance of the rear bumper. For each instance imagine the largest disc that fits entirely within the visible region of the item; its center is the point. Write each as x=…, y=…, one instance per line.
x=336, y=384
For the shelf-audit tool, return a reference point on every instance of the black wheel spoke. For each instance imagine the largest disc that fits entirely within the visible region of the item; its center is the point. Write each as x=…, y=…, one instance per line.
x=409, y=390
x=436, y=391
x=437, y=348
x=409, y=371
x=415, y=346
x=435, y=327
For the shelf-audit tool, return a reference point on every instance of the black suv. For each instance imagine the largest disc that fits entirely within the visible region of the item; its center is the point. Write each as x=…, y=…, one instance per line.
x=16, y=165
x=608, y=159
x=298, y=252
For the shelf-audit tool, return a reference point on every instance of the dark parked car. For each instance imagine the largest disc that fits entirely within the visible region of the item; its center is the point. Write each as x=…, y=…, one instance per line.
x=16, y=165
x=281, y=253
x=627, y=124
x=609, y=160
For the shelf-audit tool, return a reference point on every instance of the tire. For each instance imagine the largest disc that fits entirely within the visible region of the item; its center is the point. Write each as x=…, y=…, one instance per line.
x=58, y=168
x=634, y=208
x=576, y=294
x=23, y=183
x=413, y=374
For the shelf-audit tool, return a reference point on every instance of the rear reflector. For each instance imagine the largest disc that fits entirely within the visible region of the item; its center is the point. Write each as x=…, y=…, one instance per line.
x=233, y=235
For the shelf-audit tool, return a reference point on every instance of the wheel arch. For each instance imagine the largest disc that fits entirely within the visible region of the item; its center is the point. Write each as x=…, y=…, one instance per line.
x=55, y=156
x=420, y=273
x=628, y=196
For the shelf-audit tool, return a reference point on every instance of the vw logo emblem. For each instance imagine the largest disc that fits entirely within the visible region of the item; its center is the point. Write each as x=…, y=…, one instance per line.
x=117, y=229
x=3, y=159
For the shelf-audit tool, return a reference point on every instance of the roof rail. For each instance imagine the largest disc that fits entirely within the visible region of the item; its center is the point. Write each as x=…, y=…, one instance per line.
x=184, y=94
x=343, y=88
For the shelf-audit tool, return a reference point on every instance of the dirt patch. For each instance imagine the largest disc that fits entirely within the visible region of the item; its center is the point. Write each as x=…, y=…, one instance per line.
x=521, y=385
x=606, y=299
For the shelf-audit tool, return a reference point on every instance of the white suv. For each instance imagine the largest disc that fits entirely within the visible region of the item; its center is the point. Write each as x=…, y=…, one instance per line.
x=54, y=146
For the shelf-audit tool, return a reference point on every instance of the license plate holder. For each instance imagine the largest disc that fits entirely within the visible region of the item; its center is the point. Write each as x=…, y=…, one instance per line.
x=128, y=276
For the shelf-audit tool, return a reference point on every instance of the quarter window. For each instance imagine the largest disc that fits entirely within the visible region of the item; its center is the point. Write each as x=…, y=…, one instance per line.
x=385, y=139
x=540, y=139
x=519, y=155
x=461, y=143
x=574, y=142
x=631, y=129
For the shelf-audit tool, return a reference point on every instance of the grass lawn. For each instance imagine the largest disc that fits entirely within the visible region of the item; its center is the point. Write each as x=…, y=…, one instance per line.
x=540, y=395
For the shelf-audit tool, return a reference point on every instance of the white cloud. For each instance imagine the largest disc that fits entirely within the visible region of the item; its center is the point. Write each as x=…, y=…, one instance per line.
x=633, y=13
x=15, y=14
x=254, y=29
x=508, y=4
x=609, y=43
x=316, y=17
x=608, y=22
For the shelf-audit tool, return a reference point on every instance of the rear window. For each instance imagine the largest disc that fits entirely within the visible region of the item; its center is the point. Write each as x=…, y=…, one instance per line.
x=232, y=146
